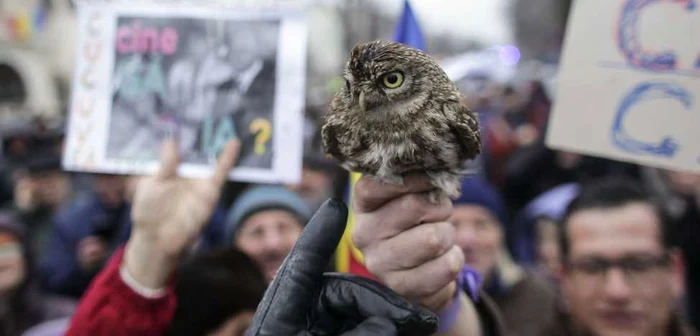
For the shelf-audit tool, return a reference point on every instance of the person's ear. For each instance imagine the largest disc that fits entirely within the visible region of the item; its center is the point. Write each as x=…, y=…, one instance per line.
x=677, y=268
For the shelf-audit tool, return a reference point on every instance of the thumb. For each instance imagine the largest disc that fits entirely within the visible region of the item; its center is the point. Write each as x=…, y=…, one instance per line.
x=374, y=326
x=283, y=309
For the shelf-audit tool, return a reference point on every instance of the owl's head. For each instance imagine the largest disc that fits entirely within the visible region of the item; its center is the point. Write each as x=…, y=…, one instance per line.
x=388, y=78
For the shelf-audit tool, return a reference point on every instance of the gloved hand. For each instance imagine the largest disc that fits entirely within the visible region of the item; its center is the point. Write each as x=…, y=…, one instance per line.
x=302, y=300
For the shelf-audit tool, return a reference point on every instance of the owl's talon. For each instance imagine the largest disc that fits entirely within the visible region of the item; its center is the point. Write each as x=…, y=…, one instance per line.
x=393, y=179
x=435, y=196
x=448, y=183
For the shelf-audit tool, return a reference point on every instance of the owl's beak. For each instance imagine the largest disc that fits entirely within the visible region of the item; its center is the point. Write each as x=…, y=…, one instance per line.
x=366, y=105
x=363, y=102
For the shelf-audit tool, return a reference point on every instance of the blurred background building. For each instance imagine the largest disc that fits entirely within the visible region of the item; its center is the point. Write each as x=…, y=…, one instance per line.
x=505, y=40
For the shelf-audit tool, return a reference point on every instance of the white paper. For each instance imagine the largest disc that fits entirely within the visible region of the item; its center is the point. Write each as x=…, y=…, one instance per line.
x=629, y=83
x=202, y=75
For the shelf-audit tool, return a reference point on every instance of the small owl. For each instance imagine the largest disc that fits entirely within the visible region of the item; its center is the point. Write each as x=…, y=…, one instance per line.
x=397, y=113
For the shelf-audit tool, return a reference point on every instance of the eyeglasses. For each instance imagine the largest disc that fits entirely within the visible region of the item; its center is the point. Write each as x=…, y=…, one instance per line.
x=636, y=269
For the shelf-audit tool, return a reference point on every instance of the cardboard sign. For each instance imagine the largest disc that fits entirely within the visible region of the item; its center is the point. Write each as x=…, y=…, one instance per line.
x=630, y=82
x=200, y=75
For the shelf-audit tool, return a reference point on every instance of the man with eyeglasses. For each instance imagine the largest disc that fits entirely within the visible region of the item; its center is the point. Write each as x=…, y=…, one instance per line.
x=621, y=275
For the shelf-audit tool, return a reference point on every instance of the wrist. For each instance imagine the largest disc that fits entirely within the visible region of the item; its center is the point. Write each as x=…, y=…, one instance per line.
x=146, y=264
x=468, y=281
x=448, y=314
x=139, y=288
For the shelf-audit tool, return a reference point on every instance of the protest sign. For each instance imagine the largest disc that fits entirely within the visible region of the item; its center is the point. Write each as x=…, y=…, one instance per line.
x=629, y=83
x=200, y=75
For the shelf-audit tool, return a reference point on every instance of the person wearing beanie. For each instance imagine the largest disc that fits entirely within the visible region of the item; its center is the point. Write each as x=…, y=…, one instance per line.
x=264, y=223
x=526, y=301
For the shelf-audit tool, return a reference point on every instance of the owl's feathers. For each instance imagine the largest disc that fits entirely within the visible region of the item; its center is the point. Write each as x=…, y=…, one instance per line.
x=397, y=113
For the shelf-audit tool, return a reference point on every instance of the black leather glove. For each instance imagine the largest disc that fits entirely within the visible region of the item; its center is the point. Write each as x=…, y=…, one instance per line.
x=302, y=300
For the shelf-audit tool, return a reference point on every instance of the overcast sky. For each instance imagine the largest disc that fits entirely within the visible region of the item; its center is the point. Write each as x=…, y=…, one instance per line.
x=485, y=20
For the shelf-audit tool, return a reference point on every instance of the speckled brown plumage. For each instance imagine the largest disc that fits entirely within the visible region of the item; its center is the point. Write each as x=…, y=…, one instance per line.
x=385, y=132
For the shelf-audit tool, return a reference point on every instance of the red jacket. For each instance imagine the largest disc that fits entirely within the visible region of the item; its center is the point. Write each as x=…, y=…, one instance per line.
x=111, y=307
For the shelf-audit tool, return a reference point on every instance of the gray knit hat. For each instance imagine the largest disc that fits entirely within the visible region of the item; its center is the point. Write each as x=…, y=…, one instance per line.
x=261, y=198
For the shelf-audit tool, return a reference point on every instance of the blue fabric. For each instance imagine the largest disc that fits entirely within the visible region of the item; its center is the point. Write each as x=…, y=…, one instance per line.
x=469, y=281
x=553, y=204
x=477, y=191
x=213, y=235
x=264, y=198
x=60, y=269
x=85, y=217
x=408, y=31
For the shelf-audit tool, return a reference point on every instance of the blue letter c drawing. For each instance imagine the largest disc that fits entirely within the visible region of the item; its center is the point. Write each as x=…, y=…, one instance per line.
x=629, y=43
x=667, y=147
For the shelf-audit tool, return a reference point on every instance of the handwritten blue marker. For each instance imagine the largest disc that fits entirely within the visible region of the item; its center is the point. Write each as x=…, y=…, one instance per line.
x=631, y=47
x=668, y=147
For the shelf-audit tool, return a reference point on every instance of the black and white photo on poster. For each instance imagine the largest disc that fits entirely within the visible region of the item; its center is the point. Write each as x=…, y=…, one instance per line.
x=198, y=75
x=202, y=82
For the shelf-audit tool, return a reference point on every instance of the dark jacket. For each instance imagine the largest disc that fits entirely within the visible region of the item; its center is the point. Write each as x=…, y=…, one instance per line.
x=86, y=217
x=526, y=301
x=492, y=322
x=532, y=170
x=528, y=306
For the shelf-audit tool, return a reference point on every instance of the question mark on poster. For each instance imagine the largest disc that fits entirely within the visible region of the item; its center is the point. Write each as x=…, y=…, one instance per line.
x=263, y=130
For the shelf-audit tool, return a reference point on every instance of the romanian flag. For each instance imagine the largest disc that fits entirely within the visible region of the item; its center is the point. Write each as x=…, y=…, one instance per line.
x=348, y=258
x=23, y=25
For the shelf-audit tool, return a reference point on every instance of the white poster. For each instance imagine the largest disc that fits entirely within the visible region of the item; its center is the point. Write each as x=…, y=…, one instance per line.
x=201, y=75
x=629, y=83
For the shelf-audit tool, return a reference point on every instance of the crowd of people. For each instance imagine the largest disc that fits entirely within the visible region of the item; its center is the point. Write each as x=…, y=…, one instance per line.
x=561, y=243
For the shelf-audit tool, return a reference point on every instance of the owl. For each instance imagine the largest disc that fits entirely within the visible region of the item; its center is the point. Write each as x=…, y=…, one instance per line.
x=398, y=112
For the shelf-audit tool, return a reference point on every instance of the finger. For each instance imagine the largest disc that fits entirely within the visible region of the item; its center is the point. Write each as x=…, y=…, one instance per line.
x=169, y=160
x=427, y=278
x=89, y=241
x=400, y=252
x=397, y=216
x=369, y=193
x=352, y=295
x=438, y=301
x=226, y=161
x=283, y=309
x=374, y=326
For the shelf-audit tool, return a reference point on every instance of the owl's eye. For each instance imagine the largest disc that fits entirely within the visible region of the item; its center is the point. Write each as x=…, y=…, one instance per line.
x=392, y=80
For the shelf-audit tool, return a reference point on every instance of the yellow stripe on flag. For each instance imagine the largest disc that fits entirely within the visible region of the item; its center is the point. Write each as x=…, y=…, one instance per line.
x=346, y=249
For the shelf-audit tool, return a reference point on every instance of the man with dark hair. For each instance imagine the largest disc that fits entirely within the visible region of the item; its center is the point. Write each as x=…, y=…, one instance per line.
x=621, y=275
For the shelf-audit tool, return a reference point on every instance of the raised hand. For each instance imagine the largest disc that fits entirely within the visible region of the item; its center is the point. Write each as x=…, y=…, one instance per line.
x=406, y=240
x=302, y=300
x=169, y=213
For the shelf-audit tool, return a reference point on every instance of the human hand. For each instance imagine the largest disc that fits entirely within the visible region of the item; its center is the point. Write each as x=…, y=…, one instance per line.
x=526, y=134
x=25, y=194
x=302, y=300
x=92, y=251
x=406, y=240
x=169, y=213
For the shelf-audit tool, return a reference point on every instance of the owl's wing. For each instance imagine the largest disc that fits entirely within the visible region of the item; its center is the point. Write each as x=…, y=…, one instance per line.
x=329, y=137
x=465, y=126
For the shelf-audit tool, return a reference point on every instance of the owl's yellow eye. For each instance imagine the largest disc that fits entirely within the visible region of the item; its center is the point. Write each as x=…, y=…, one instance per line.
x=393, y=79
